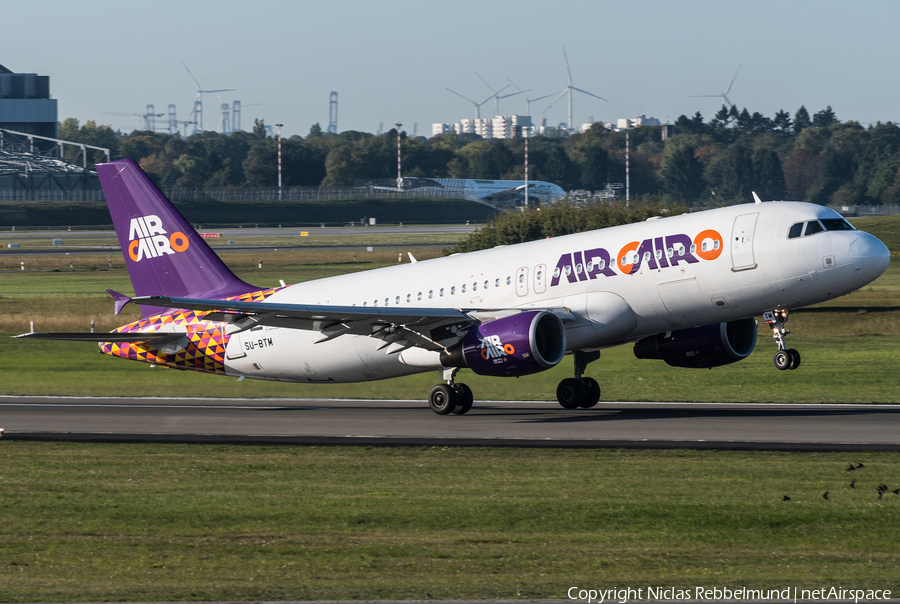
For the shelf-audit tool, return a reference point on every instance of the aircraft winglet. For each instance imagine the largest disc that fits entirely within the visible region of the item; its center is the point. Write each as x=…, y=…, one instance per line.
x=756, y=198
x=120, y=299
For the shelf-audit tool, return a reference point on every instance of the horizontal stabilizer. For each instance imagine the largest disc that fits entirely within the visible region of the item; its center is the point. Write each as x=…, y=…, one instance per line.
x=120, y=299
x=88, y=336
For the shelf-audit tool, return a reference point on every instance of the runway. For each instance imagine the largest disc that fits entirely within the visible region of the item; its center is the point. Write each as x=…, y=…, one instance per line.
x=490, y=423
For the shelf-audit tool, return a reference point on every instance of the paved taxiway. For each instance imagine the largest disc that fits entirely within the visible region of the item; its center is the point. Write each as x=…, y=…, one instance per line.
x=495, y=423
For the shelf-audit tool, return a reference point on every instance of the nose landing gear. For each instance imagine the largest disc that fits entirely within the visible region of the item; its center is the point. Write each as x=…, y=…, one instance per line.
x=579, y=391
x=785, y=358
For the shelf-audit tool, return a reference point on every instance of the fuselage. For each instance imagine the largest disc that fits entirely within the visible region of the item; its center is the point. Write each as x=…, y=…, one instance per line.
x=617, y=285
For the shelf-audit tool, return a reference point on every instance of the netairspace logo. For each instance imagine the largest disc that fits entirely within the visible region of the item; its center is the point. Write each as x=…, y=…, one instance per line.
x=622, y=595
x=148, y=239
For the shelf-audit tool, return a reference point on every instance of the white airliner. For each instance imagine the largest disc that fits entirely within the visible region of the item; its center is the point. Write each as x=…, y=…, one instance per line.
x=684, y=289
x=491, y=192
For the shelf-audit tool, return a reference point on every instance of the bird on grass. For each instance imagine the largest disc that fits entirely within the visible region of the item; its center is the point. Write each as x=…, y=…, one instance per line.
x=825, y=495
x=786, y=498
x=853, y=484
x=520, y=593
x=859, y=465
x=850, y=468
x=896, y=491
x=427, y=596
x=882, y=489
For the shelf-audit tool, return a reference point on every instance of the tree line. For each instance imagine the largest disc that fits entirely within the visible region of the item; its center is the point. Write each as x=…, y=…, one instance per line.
x=815, y=158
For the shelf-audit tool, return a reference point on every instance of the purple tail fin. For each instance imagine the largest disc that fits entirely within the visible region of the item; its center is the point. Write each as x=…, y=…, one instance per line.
x=163, y=253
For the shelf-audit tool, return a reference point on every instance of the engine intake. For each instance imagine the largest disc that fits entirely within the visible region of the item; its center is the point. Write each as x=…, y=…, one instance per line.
x=701, y=347
x=521, y=344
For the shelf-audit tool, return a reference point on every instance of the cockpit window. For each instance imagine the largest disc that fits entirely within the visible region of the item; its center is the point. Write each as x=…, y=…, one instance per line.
x=836, y=224
x=796, y=230
x=813, y=227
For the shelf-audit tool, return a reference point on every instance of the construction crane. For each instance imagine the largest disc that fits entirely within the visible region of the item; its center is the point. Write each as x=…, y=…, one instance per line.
x=149, y=117
x=236, y=115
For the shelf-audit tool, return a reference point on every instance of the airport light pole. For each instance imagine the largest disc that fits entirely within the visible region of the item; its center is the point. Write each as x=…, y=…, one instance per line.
x=399, y=177
x=526, y=166
x=279, y=160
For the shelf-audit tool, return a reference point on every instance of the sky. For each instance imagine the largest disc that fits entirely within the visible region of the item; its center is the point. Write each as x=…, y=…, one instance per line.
x=391, y=61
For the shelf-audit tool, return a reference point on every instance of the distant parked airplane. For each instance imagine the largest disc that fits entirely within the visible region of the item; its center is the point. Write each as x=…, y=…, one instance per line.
x=685, y=289
x=491, y=192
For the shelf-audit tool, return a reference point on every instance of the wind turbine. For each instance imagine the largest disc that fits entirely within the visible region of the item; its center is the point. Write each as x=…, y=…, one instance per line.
x=527, y=100
x=198, y=102
x=569, y=90
x=724, y=95
x=477, y=105
x=496, y=95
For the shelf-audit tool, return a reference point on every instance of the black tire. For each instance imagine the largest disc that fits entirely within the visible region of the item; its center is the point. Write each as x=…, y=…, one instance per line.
x=592, y=396
x=795, y=358
x=782, y=360
x=465, y=399
x=442, y=399
x=570, y=393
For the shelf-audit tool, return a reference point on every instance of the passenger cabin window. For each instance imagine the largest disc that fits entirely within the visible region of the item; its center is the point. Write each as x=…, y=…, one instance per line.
x=796, y=230
x=813, y=227
x=453, y=290
x=509, y=280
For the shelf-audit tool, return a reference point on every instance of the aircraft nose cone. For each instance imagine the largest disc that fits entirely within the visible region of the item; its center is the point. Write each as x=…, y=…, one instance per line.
x=869, y=256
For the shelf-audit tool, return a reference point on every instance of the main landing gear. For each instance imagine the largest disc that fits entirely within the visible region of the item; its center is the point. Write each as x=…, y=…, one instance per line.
x=785, y=358
x=579, y=391
x=451, y=397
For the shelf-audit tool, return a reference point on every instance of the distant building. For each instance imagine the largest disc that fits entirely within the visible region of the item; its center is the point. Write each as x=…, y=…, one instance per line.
x=627, y=123
x=502, y=126
x=25, y=103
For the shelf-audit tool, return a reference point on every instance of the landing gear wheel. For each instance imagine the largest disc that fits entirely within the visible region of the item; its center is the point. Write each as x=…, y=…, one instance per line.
x=443, y=399
x=783, y=360
x=592, y=394
x=465, y=399
x=795, y=358
x=570, y=393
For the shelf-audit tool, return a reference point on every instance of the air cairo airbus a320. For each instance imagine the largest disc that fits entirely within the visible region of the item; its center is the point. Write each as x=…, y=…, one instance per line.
x=684, y=289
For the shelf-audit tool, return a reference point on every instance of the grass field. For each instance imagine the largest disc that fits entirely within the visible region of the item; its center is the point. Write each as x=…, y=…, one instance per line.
x=182, y=522
x=356, y=238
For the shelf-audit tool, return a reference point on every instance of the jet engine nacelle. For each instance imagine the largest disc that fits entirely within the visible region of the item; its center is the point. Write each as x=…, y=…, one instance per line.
x=520, y=344
x=701, y=347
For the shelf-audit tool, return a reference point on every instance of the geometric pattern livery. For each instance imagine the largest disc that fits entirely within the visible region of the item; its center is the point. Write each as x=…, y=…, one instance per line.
x=206, y=339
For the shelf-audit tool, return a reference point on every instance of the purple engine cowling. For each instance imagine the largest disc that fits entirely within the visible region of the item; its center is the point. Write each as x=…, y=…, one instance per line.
x=701, y=347
x=521, y=344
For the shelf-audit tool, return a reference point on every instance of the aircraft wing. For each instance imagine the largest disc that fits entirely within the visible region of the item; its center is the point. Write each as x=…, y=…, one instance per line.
x=429, y=328
x=506, y=194
x=401, y=328
x=89, y=336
